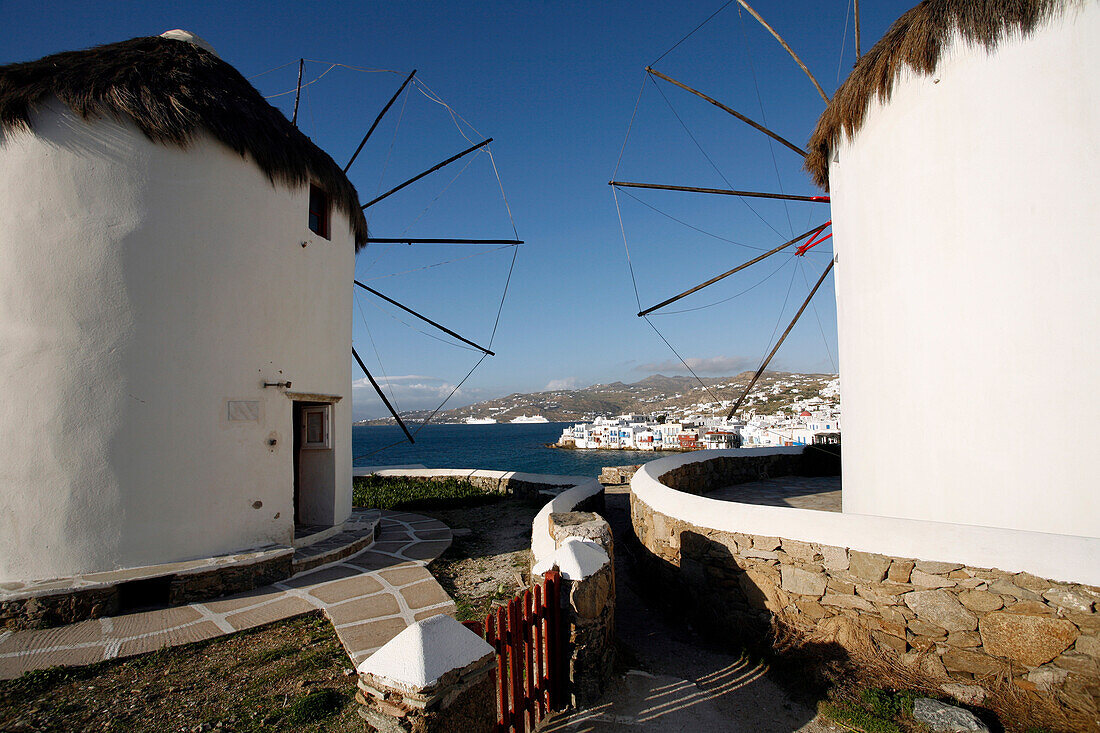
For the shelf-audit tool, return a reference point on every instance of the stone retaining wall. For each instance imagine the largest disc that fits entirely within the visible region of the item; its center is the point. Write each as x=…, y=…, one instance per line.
x=951, y=622
x=618, y=474
x=67, y=604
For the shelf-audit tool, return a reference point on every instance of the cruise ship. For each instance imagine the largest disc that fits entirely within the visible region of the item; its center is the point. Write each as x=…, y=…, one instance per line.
x=480, y=421
x=523, y=419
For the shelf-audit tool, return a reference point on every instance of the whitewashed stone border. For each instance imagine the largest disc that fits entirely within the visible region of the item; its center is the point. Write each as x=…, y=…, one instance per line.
x=1059, y=557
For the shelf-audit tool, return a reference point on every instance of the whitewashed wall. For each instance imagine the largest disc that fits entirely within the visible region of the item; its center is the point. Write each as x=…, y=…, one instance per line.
x=141, y=288
x=968, y=288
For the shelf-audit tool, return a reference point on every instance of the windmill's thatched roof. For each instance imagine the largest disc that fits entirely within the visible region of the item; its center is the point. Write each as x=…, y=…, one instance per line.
x=916, y=40
x=173, y=90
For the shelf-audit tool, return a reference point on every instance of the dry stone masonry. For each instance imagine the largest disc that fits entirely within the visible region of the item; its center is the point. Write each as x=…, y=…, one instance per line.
x=584, y=555
x=963, y=627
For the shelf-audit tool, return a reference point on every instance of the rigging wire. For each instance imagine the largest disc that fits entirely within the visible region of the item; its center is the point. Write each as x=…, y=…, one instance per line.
x=781, y=312
x=615, y=192
x=308, y=83
x=288, y=63
x=389, y=153
x=446, y=399
x=726, y=300
x=507, y=206
x=843, y=40
x=629, y=262
x=689, y=35
x=763, y=115
x=504, y=295
x=712, y=163
x=637, y=102
x=374, y=346
x=690, y=226
x=430, y=94
x=426, y=420
x=434, y=264
x=440, y=194
x=357, y=68
x=414, y=328
x=683, y=361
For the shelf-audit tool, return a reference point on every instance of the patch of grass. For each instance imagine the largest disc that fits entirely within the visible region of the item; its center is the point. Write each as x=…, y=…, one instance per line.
x=888, y=704
x=876, y=711
x=316, y=705
x=850, y=714
x=379, y=492
x=466, y=611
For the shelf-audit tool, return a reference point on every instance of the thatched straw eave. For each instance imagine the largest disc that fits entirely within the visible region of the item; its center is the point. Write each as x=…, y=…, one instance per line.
x=915, y=42
x=174, y=91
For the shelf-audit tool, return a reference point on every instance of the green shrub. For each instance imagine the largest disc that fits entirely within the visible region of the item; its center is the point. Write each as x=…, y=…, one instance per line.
x=382, y=492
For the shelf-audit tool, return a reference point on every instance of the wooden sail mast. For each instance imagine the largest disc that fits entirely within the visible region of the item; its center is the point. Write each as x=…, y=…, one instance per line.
x=382, y=394
x=783, y=43
x=733, y=112
x=433, y=169
x=379, y=118
x=427, y=320
x=713, y=280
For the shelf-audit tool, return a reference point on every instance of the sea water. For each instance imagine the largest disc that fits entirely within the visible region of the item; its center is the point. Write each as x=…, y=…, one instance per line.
x=499, y=447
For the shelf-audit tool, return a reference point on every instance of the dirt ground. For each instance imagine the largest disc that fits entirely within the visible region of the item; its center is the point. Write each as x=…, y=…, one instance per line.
x=289, y=676
x=489, y=562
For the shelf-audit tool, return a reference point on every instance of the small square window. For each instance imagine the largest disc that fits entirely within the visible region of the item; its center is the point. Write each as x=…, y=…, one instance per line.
x=315, y=427
x=318, y=211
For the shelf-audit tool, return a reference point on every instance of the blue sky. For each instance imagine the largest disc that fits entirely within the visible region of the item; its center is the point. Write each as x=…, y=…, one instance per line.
x=555, y=85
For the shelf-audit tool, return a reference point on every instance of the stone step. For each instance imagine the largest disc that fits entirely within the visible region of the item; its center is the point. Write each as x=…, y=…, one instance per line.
x=358, y=533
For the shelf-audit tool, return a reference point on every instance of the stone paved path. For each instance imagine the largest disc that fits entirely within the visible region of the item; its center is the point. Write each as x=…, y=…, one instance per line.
x=369, y=597
x=819, y=492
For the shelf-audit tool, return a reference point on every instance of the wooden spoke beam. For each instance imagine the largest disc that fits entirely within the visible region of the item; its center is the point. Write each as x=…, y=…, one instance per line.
x=298, y=92
x=858, y=54
x=433, y=169
x=733, y=112
x=722, y=191
x=382, y=395
x=409, y=240
x=713, y=280
x=783, y=43
x=379, y=118
x=779, y=343
x=427, y=320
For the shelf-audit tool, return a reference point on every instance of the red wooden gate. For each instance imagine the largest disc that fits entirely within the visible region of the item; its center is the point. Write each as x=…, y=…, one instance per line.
x=528, y=639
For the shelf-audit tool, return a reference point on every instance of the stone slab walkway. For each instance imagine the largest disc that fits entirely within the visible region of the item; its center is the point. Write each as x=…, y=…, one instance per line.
x=369, y=597
x=819, y=492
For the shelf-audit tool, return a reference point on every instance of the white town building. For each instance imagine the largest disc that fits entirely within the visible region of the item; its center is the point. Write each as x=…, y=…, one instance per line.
x=176, y=264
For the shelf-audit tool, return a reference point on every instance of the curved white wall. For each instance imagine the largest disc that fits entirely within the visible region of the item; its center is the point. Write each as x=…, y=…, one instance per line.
x=141, y=288
x=1059, y=557
x=968, y=287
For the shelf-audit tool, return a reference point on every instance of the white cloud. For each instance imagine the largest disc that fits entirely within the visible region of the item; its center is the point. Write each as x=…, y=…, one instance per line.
x=405, y=392
x=715, y=365
x=556, y=384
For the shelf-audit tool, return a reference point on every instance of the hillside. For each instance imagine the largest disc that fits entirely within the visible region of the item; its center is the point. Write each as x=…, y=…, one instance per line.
x=655, y=394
